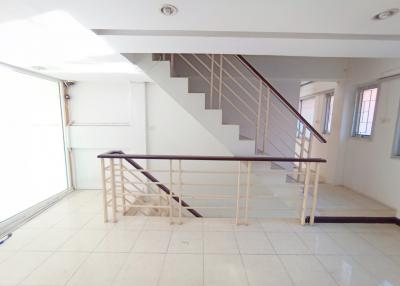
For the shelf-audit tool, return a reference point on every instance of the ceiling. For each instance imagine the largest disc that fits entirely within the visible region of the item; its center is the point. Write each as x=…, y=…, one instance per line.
x=311, y=28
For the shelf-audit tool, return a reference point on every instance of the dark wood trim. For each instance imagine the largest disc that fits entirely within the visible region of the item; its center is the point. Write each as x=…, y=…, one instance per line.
x=335, y=219
x=281, y=98
x=161, y=186
x=119, y=155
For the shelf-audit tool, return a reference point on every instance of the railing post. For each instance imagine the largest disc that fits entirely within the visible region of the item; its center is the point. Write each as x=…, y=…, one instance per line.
x=266, y=120
x=172, y=65
x=315, y=194
x=212, y=82
x=105, y=203
x=170, y=191
x=248, y=183
x=180, y=190
x=238, y=193
x=221, y=61
x=113, y=192
x=303, y=138
x=305, y=195
x=122, y=176
x=260, y=91
x=309, y=149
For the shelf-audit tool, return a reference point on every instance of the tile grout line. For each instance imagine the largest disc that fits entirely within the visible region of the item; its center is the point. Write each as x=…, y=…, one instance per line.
x=241, y=258
x=165, y=257
x=203, y=251
x=278, y=255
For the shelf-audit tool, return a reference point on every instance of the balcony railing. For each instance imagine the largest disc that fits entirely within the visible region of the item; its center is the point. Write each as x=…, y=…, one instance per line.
x=176, y=186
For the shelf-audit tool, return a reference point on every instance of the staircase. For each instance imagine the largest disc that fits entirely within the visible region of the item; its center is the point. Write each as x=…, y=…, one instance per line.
x=245, y=112
x=234, y=102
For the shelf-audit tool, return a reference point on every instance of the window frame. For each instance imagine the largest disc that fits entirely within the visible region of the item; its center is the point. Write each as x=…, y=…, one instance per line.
x=396, y=141
x=357, y=113
x=328, y=112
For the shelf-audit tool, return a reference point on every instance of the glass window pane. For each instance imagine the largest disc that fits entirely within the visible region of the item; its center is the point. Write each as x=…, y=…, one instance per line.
x=33, y=168
x=366, y=111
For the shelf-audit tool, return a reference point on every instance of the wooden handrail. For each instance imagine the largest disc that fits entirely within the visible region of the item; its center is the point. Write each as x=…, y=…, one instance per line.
x=281, y=98
x=121, y=155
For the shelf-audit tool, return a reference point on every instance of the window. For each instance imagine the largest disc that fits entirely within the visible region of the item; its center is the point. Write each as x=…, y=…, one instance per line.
x=307, y=110
x=328, y=113
x=33, y=162
x=365, y=111
x=396, y=146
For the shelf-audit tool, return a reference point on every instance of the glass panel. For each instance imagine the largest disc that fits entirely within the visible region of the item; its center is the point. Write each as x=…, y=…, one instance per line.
x=33, y=164
x=328, y=113
x=366, y=111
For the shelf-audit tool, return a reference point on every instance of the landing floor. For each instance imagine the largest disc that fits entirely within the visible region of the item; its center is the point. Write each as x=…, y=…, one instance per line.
x=70, y=245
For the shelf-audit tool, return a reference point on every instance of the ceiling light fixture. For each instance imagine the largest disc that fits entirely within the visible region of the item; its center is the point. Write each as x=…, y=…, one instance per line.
x=169, y=10
x=386, y=14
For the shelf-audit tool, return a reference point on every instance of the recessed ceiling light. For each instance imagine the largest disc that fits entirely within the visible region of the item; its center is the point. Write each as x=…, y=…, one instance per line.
x=169, y=10
x=386, y=14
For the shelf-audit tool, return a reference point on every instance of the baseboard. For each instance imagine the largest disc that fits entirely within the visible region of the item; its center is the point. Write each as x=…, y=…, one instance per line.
x=351, y=219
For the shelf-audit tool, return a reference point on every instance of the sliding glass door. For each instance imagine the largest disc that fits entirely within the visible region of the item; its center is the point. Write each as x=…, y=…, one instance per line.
x=32, y=157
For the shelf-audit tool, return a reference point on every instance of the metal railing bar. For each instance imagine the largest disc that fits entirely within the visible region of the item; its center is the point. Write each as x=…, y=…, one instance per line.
x=282, y=99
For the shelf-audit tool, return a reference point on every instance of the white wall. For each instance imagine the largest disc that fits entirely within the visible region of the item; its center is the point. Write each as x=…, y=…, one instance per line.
x=365, y=165
x=368, y=165
x=172, y=130
x=138, y=118
x=105, y=116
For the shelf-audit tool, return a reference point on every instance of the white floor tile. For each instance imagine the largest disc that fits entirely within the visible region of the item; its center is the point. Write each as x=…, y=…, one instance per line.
x=75, y=220
x=346, y=271
x=395, y=258
x=218, y=224
x=353, y=244
x=190, y=224
x=306, y=270
x=44, y=220
x=287, y=243
x=158, y=223
x=275, y=225
x=118, y=241
x=19, y=266
x=50, y=240
x=97, y=223
x=130, y=222
x=265, y=270
x=57, y=269
x=99, y=269
x=140, y=269
x=385, y=242
x=224, y=270
x=334, y=227
x=253, y=226
x=152, y=241
x=186, y=242
x=182, y=270
x=220, y=242
x=6, y=254
x=254, y=243
x=84, y=240
x=381, y=267
x=320, y=243
x=21, y=238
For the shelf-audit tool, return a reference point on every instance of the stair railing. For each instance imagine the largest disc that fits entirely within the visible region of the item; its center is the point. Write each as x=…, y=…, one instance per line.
x=239, y=185
x=232, y=84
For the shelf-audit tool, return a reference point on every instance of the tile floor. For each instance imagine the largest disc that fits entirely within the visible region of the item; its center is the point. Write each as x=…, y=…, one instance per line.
x=70, y=245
